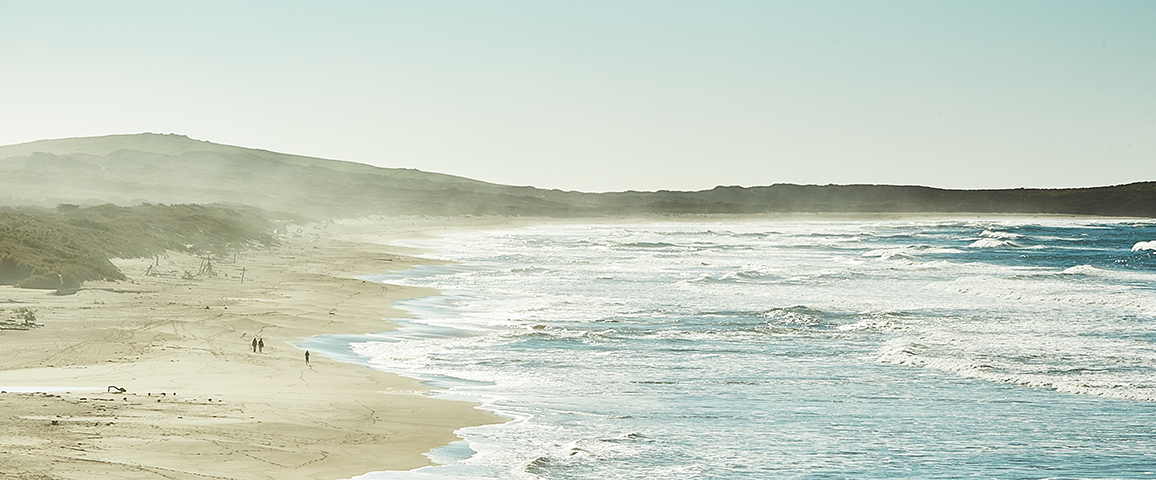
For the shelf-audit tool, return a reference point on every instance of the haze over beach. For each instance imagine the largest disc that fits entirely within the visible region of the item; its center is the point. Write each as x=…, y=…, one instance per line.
x=455, y=240
x=607, y=96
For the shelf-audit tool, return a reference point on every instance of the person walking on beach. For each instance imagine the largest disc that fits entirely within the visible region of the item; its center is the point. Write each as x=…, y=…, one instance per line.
x=261, y=345
x=307, y=357
x=254, y=344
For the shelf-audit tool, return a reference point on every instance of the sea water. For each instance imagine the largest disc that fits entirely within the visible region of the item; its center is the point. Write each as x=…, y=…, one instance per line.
x=925, y=349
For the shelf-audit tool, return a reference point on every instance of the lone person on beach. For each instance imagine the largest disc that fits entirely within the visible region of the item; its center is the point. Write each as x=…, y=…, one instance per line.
x=261, y=345
x=254, y=344
x=307, y=357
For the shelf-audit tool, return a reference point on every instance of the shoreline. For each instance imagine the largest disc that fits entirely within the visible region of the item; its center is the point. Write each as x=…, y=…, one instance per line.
x=198, y=402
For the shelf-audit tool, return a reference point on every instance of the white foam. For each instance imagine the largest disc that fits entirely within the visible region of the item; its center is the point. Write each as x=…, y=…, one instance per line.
x=888, y=253
x=1083, y=270
x=908, y=251
x=991, y=243
x=968, y=359
x=999, y=235
x=1132, y=276
x=1144, y=246
x=881, y=324
x=570, y=321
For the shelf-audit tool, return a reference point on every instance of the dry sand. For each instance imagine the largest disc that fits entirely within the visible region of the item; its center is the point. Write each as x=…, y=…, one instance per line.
x=199, y=403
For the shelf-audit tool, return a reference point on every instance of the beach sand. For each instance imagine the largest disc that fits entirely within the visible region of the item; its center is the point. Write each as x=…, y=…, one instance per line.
x=199, y=403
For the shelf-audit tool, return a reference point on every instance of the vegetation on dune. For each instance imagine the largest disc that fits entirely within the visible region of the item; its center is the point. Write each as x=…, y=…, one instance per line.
x=61, y=248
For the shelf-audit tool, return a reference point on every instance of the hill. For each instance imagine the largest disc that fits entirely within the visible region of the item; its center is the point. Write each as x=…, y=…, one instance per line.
x=52, y=241
x=131, y=169
x=154, y=168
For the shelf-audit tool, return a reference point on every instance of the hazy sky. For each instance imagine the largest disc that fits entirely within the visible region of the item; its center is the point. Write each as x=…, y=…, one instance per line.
x=600, y=96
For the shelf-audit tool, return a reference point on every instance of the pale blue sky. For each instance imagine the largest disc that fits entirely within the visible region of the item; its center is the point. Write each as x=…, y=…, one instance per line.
x=600, y=96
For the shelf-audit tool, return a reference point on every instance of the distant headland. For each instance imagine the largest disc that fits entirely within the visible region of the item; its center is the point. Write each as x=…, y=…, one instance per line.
x=174, y=169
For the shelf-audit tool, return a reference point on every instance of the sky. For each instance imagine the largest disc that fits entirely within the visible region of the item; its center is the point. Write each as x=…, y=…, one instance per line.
x=611, y=95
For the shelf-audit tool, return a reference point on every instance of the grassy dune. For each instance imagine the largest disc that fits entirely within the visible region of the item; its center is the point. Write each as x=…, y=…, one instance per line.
x=63, y=247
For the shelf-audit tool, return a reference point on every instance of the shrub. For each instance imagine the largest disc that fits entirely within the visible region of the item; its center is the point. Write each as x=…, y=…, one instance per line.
x=61, y=249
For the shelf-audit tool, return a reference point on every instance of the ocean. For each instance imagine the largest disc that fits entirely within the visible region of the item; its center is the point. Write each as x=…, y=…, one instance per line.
x=750, y=350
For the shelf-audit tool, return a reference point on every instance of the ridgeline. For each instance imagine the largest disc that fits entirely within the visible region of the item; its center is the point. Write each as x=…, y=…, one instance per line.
x=77, y=184
x=153, y=168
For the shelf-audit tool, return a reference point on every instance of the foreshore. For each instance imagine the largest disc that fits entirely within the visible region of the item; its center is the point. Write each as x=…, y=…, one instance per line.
x=198, y=402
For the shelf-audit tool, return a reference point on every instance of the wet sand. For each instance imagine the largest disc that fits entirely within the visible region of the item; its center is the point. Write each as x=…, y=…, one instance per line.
x=198, y=402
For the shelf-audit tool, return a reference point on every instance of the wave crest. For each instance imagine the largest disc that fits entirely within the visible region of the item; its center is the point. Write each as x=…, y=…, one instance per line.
x=1144, y=246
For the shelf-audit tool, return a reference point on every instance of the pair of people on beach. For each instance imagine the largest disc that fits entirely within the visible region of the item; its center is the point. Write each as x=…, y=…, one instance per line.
x=259, y=346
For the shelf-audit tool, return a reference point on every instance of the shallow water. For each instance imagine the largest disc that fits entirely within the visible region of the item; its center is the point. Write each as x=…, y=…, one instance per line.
x=945, y=349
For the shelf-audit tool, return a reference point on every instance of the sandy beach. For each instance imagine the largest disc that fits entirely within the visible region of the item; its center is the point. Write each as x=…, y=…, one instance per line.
x=198, y=402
